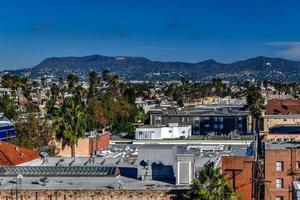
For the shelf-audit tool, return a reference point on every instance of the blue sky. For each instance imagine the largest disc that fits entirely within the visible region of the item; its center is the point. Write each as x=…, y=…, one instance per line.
x=174, y=30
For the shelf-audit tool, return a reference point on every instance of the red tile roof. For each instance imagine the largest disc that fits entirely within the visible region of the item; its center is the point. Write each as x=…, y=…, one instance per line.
x=13, y=155
x=283, y=107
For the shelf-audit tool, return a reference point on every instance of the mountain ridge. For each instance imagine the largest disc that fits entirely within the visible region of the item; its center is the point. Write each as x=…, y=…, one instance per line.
x=144, y=69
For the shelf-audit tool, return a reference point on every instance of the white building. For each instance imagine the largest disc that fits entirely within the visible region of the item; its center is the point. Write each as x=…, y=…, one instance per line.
x=163, y=132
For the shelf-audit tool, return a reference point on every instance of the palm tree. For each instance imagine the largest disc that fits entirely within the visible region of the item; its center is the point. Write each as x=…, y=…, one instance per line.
x=255, y=102
x=105, y=75
x=72, y=80
x=211, y=184
x=79, y=93
x=69, y=123
x=93, y=81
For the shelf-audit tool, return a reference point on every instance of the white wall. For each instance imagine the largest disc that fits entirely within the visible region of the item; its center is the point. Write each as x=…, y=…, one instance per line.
x=148, y=133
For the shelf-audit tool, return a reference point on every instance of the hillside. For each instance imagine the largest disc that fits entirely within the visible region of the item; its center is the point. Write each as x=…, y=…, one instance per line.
x=139, y=68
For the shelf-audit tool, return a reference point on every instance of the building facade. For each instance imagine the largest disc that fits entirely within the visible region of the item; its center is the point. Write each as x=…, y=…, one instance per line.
x=238, y=170
x=171, y=131
x=270, y=121
x=207, y=120
x=282, y=167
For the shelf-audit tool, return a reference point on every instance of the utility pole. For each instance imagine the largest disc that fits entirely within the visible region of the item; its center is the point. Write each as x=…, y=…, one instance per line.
x=255, y=166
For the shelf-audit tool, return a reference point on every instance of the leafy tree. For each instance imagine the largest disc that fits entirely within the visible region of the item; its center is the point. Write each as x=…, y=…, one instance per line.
x=122, y=126
x=51, y=107
x=31, y=107
x=8, y=106
x=211, y=184
x=69, y=123
x=31, y=133
x=55, y=90
x=35, y=84
x=96, y=115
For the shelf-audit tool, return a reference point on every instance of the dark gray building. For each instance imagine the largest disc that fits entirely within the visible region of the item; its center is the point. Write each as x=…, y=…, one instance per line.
x=217, y=120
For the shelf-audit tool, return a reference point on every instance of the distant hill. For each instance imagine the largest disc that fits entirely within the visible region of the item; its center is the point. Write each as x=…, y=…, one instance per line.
x=139, y=68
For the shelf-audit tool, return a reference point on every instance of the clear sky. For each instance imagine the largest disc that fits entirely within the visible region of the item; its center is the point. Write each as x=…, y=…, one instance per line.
x=175, y=30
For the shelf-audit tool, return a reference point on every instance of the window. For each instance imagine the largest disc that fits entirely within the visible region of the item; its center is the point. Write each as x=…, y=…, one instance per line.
x=215, y=126
x=220, y=126
x=221, y=119
x=279, y=183
x=298, y=164
x=182, y=119
x=279, y=198
x=206, y=118
x=279, y=166
x=206, y=125
x=216, y=119
x=285, y=119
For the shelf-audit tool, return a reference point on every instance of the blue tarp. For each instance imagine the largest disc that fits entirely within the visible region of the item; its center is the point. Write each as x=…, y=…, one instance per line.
x=7, y=132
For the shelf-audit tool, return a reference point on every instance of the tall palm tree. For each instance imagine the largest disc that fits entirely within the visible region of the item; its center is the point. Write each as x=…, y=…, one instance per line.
x=211, y=184
x=255, y=102
x=93, y=81
x=79, y=93
x=69, y=123
x=72, y=80
x=105, y=75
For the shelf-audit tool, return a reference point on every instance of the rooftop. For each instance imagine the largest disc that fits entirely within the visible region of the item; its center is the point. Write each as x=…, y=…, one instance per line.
x=282, y=145
x=282, y=106
x=14, y=155
x=83, y=183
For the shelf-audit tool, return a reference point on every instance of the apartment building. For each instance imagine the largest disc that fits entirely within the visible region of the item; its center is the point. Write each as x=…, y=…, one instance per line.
x=283, y=133
x=214, y=119
x=281, y=112
x=282, y=167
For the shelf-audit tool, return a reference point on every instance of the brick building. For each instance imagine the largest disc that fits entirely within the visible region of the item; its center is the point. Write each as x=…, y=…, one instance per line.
x=282, y=167
x=238, y=170
x=281, y=111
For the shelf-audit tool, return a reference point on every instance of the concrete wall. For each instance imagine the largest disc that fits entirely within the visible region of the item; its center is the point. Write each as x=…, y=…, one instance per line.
x=88, y=194
x=86, y=146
